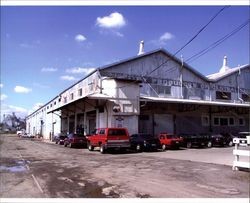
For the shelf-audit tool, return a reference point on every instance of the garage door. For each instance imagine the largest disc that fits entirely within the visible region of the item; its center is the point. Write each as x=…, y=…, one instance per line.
x=163, y=123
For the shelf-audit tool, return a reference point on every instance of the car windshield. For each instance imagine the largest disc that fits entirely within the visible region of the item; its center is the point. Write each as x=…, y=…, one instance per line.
x=115, y=132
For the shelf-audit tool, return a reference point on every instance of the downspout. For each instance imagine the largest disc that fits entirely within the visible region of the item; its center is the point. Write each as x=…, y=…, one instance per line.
x=181, y=79
x=238, y=86
x=100, y=81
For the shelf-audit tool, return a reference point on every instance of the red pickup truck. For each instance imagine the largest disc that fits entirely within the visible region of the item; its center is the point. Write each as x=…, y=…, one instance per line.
x=169, y=140
x=108, y=138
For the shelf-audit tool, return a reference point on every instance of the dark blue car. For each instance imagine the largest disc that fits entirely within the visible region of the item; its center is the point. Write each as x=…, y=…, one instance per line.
x=143, y=142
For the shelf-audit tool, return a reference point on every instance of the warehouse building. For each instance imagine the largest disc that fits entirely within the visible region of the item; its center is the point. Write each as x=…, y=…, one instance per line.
x=152, y=92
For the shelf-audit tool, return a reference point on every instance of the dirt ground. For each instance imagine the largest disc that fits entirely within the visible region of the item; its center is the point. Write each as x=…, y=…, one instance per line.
x=33, y=168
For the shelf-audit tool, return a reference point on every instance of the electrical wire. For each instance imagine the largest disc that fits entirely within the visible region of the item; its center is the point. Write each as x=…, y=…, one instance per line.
x=217, y=43
x=196, y=35
x=209, y=48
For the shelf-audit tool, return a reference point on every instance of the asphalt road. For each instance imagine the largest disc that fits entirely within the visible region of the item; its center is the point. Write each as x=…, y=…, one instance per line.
x=32, y=168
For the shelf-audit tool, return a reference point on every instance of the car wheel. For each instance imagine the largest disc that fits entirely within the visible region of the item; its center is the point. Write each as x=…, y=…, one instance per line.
x=65, y=144
x=90, y=147
x=102, y=149
x=209, y=144
x=230, y=144
x=189, y=144
x=138, y=148
x=163, y=147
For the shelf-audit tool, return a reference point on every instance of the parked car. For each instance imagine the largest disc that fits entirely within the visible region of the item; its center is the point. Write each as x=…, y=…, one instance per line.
x=20, y=132
x=228, y=138
x=218, y=140
x=198, y=140
x=142, y=142
x=243, y=134
x=169, y=141
x=59, y=138
x=27, y=135
x=74, y=140
x=109, y=138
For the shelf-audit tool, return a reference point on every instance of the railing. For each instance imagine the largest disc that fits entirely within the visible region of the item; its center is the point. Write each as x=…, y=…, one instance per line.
x=245, y=142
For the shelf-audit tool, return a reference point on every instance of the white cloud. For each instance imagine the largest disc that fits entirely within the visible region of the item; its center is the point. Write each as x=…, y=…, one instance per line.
x=1, y=85
x=68, y=78
x=80, y=38
x=79, y=70
x=3, y=97
x=162, y=40
x=118, y=34
x=166, y=36
x=114, y=20
x=21, y=89
x=49, y=69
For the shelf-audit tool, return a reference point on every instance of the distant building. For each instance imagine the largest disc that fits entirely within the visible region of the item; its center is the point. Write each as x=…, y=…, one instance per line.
x=152, y=92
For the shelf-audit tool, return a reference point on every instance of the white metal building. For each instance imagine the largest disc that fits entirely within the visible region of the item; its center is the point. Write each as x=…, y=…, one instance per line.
x=151, y=92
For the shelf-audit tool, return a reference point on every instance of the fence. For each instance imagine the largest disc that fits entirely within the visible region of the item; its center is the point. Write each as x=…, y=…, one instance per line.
x=245, y=142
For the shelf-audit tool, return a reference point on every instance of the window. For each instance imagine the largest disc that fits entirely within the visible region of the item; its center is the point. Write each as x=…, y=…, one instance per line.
x=241, y=122
x=47, y=107
x=102, y=132
x=224, y=121
x=54, y=102
x=59, y=100
x=164, y=89
x=231, y=121
x=50, y=105
x=65, y=99
x=216, y=121
x=117, y=132
x=80, y=92
x=72, y=96
x=223, y=95
x=245, y=97
x=161, y=89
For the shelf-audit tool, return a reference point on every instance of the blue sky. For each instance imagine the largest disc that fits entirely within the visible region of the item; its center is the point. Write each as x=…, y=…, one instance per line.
x=46, y=49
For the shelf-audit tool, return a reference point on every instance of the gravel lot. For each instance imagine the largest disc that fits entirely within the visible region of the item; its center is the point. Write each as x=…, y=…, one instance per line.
x=32, y=168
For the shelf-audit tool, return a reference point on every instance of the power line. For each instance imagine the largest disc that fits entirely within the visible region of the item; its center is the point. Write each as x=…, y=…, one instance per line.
x=204, y=51
x=196, y=35
x=217, y=43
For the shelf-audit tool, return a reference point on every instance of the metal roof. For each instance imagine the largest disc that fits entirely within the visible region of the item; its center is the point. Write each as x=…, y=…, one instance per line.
x=220, y=75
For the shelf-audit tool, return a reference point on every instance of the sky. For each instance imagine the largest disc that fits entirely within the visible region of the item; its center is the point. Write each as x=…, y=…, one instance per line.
x=45, y=49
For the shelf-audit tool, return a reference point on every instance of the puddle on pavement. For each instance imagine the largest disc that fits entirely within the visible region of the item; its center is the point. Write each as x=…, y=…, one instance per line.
x=14, y=167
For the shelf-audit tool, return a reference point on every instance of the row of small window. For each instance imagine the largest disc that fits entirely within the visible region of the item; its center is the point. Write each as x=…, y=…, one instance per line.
x=223, y=121
x=227, y=96
x=161, y=89
x=72, y=96
x=65, y=98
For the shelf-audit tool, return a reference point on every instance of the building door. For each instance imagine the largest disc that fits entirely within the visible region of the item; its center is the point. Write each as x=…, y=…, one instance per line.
x=91, y=119
x=163, y=123
x=92, y=125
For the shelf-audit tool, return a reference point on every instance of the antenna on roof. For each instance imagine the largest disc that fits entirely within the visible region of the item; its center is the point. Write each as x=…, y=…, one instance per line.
x=141, y=48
